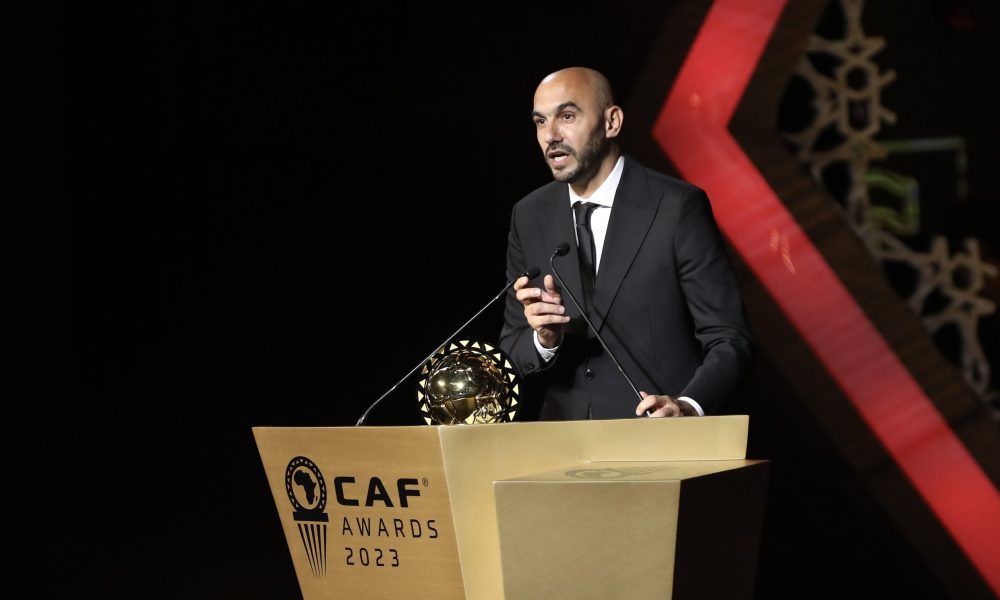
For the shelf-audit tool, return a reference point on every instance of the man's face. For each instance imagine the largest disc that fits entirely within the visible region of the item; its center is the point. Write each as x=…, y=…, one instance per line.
x=569, y=125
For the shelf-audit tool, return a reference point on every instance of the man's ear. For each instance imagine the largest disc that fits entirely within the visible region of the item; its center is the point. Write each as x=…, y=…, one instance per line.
x=613, y=118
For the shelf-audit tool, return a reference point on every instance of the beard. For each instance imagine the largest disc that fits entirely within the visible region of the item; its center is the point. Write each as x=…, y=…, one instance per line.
x=587, y=158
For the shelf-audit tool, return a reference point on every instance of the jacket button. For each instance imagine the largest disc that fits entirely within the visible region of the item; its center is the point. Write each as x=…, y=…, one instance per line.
x=529, y=366
x=589, y=373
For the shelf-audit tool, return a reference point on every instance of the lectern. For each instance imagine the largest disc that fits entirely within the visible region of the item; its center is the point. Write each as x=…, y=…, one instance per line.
x=635, y=508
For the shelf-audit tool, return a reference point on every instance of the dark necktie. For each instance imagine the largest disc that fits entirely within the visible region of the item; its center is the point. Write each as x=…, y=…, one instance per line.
x=585, y=243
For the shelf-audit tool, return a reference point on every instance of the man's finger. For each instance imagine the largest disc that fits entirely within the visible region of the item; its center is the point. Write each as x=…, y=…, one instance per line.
x=536, y=321
x=646, y=403
x=529, y=294
x=550, y=286
x=667, y=408
x=544, y=308
x=664, y=406
x=540, y=320
x=551, y=298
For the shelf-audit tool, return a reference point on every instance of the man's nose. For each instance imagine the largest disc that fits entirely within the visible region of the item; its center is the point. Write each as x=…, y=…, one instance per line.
x=552, y=132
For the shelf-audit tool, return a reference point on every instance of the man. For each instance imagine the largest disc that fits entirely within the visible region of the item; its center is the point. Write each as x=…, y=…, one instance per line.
x=651, y=272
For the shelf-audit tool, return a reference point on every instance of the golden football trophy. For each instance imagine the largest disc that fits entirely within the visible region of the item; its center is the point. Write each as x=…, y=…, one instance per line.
x=467, y=382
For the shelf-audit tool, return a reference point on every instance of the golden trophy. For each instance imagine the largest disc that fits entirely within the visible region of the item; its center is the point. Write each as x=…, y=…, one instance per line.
x=467, y=382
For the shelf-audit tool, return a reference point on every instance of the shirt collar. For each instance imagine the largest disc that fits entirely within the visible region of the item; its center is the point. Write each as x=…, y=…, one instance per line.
x=605, y=194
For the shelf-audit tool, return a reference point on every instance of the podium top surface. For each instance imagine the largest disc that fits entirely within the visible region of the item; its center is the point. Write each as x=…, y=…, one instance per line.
x=689, y=438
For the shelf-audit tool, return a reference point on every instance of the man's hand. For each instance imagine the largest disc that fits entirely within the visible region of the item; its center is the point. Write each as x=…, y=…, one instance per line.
x=663, y=406
x=544, y=310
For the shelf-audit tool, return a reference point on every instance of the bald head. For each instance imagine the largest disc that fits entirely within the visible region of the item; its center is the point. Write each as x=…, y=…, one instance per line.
x=585, y=80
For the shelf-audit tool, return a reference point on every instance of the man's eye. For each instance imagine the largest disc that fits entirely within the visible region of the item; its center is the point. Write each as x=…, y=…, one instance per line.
x=539, y=122
x=568, y=116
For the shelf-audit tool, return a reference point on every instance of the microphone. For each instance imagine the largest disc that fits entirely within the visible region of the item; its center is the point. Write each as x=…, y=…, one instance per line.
x=562, y=250
x=530, y=274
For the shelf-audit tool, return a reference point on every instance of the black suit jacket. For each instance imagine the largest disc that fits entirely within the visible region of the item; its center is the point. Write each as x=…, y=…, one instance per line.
x=665, y=299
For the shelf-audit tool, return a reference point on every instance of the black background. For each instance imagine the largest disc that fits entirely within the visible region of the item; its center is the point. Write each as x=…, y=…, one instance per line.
x=264, y=214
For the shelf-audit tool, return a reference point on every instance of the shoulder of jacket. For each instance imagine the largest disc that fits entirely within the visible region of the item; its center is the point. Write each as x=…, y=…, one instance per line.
x=665, y=183
x=544, y=194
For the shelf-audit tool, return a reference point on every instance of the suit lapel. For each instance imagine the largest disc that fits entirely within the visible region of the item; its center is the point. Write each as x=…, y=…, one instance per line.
x=631, y=217
x=557, y=228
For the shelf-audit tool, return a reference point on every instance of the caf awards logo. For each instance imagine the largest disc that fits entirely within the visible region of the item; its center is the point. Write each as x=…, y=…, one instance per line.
x=306, y=490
